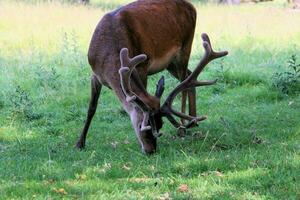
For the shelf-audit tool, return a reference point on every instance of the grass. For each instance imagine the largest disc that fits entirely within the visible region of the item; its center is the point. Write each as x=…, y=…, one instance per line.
x=248, y=148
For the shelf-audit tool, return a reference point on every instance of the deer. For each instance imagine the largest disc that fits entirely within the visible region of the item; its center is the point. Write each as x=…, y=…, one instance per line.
x=136, y=41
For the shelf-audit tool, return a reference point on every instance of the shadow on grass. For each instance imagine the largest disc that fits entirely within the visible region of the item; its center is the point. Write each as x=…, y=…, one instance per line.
x=223, y=144
x=249, y=131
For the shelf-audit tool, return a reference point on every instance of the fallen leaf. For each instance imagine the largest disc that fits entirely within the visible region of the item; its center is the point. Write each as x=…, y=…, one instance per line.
x=257, y=140
x=114, y=144
x=104, y=168
x=60, y=191
x=183, y=188
x=139, y=180
x=126, y=141
x=51, y=181
x=81, y=177
x=171, y=182
x=165, y=196
x=219, y=174
x=107, y=165
x=152, y=168
x=125, y=167
x=204, y=174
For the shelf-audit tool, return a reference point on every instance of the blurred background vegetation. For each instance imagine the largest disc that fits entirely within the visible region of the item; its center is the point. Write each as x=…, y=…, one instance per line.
x=114, y=2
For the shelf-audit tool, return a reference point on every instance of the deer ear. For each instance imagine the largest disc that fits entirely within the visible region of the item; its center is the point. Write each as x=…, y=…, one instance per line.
x=160, y=87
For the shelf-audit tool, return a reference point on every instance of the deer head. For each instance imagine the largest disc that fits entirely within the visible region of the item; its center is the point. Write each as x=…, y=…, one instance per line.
x=152, y=110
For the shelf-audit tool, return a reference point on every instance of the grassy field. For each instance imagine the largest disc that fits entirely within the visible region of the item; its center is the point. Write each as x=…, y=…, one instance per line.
x=248, y=148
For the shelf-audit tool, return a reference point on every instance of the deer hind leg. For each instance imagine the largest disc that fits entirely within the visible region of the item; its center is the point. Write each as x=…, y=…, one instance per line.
x=184, y=72
x=191, y=94
x=95, y=93
x=192, y=99
x=179, y=71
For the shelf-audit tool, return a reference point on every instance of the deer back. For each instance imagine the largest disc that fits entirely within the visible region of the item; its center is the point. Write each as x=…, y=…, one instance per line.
x=157, y=28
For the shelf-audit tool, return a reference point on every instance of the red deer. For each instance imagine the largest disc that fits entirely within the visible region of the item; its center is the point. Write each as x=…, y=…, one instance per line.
x=136, y=41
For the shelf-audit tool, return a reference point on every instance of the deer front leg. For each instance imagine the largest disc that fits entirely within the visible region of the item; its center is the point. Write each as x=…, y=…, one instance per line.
x=95, y=93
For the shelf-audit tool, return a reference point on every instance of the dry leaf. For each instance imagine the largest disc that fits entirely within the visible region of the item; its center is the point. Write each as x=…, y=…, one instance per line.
x=165, y=196
x=81, y=177
x=183, y=188
x=114, y=144
x=171, y=182
x=139, y=180
x=219, y=174
x=152, y=168
x=51, y=181
x=60, y=191
x=126, y=167
x=204, y=174
x=126, y=141
x=105, y=167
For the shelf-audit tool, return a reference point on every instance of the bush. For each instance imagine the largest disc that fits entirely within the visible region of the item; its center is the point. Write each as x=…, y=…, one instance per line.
x=288, y=82
x=22, y=105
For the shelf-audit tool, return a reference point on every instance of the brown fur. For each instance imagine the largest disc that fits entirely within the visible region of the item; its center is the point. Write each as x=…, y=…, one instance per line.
x=161, y=29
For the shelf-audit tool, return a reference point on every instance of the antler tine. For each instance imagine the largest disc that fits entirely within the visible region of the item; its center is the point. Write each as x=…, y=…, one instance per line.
x=209, y=55
x=220, y=54
x=160, y=87
x=191, y=81
x=130, y=62
x=127, y=66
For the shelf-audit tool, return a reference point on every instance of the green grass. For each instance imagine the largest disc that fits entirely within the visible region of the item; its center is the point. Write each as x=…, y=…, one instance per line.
x=248, y=148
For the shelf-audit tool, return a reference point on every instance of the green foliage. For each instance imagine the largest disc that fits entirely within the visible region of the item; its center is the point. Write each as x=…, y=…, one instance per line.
x=1, y=104
x=228, y=78
x=70, y=54
x=288, y=82
x=49, y=1
x=47, y=77
x=22, y=105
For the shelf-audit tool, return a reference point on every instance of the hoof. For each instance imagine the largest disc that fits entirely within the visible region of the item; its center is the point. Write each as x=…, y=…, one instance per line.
x=149, y=152
x=80, y=145
x=159, y=134
x=181, y=131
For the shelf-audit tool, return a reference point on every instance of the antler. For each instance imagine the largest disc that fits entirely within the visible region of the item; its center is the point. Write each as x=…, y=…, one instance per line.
x=190, y=82
x=127, y=67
